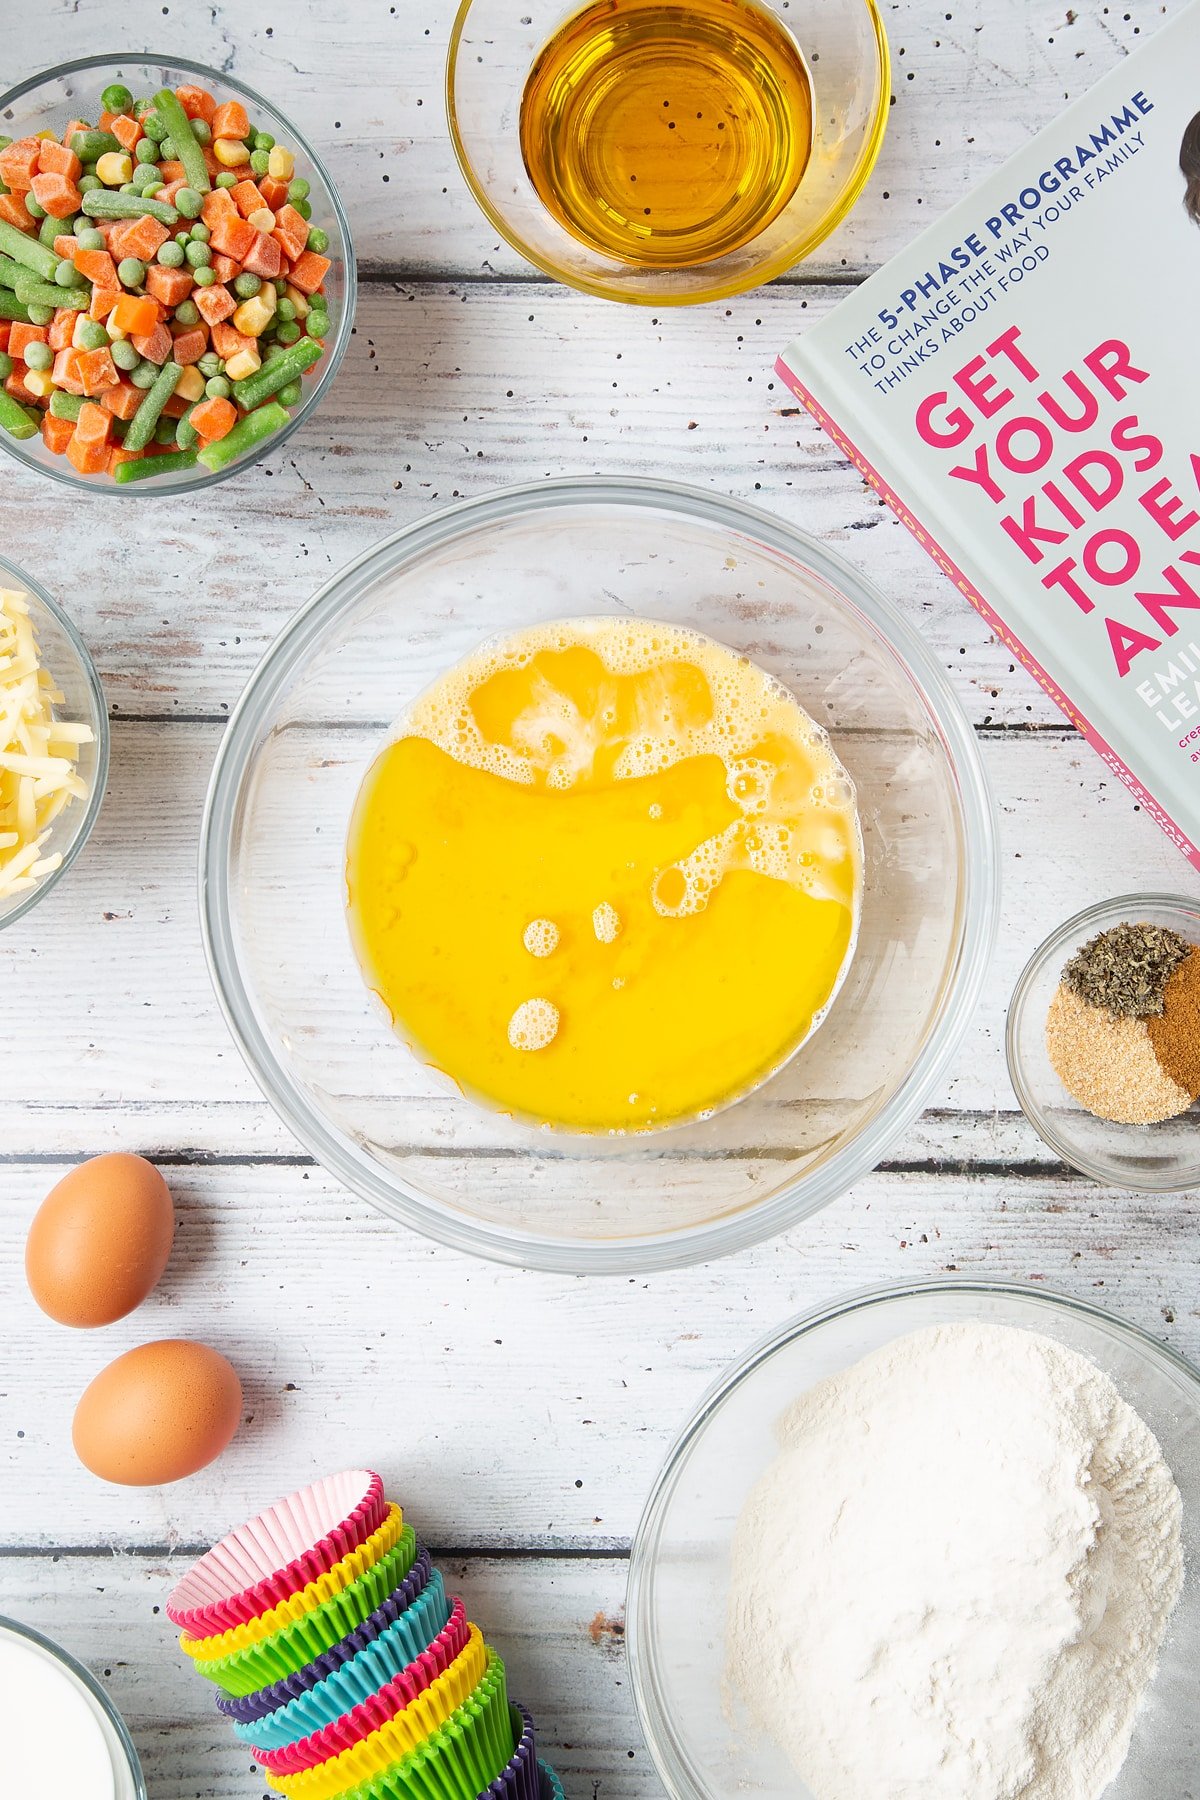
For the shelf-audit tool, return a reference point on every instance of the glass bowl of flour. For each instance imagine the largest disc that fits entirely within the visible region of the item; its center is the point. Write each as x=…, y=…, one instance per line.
x=938, y=1540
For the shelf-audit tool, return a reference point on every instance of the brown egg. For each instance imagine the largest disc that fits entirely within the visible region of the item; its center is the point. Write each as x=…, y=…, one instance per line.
x=100, y=1240
x=158, y=1413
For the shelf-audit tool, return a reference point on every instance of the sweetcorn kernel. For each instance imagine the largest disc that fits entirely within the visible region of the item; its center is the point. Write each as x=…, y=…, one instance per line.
x=231, y=153
x=253, y=316
x=299, y=301
x=281, y=164
x=242, y=364
x=262, y=219
x=190, y=385
x=113, y=168
x=39, y=382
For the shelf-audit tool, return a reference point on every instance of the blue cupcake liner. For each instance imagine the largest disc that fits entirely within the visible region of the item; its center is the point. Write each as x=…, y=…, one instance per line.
x=552, y=1787
x=246, y=1709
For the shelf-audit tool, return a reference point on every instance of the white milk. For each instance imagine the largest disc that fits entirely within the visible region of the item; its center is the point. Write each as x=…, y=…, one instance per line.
x=57, y=1737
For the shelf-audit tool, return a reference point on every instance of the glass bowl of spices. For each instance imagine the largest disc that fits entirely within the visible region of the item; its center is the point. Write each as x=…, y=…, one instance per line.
x=1103, y=1042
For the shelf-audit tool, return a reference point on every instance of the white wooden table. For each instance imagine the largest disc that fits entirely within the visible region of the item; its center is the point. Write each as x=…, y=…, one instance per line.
x=519, y=1417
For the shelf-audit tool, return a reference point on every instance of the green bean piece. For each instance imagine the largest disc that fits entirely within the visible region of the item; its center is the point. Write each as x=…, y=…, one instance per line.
x=144, y=420
x=9, y=270
x=6, y=365
x=34, y=207
x=187, y=150
x=145, y=468
x=42, y=293
x=248, y=432
x=49, y=229
x=104, y=204
x=116, y=98
x=66, y=406
x=90, y=146
x=39, y=356
x=131, y=271
x=17, y=420
x=186, y=435
x=276, y=374
x=124, y=355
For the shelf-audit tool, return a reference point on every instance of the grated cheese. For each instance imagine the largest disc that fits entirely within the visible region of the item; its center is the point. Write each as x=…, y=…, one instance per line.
x=38, y=754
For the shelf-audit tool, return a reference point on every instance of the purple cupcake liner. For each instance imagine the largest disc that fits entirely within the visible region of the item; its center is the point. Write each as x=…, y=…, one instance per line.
x=520, y=1779
x=247, y=1708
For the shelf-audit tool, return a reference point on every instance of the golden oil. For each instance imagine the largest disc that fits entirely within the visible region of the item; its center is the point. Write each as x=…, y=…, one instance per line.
x=667, y=135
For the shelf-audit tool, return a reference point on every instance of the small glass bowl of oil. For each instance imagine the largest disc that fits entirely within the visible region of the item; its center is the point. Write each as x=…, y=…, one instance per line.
x=667, y=151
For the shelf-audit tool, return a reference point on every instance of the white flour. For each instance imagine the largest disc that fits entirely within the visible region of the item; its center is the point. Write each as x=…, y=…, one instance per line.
x=954, y=1580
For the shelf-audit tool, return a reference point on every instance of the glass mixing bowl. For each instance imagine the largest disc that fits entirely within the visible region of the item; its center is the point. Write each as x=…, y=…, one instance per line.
x=66, y=657
x=46, y=103
x=492, y=48
x=1144, y=1159
x=318, y=709
x=127, y=1779
x=679, y=1572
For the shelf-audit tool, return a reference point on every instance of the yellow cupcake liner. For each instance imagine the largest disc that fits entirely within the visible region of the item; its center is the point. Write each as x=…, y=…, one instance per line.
x=334, y=1581
x=302, y=1640
x=405, y=1732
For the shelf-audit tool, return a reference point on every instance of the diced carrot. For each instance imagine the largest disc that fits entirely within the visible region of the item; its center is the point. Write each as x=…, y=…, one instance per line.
x=119, y=454
x=122, y=400
x=94, y=424
x=291, y=230
x=274, y=192
x=135, y=314
x=217, y=204
x=264, y=257
x=74, y=125
x=214, y=303
x=233, y=236
x=98, y=266
x=176, y=406
x=214, y=419
x=14, y=384
x=247, y=198
x=309, y=271
x=65, y=373
x=142, y=238
x=170, y=171
x=197, y=103
x=97, y=370
x=170, y=285
x=57, y=195
x=225, y=268
x=22, y=335
x=65, y=247
x=13, y=211
x=61, y=329
x=19, y=164
x=127, y=131
x=56, y=433
x=104, y=301
x=227, y=342
x=190, y=345
x=230, y=121
x=154, y=345
x=89, y=459
x=56, y=159
x=5, y=328
x=106, y=119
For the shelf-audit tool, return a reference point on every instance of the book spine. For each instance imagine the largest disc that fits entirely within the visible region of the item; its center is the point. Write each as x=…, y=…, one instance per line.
x=982, y=606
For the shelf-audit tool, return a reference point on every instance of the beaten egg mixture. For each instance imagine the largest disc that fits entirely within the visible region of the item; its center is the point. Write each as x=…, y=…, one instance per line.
x=606, y=874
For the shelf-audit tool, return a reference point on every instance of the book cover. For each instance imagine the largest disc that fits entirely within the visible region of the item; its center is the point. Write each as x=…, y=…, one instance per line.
x=1022, y=386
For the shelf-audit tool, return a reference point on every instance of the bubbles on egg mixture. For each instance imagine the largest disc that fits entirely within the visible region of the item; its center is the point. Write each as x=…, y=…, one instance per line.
x=540, y=937
x=533, y=1025
x=606, y=923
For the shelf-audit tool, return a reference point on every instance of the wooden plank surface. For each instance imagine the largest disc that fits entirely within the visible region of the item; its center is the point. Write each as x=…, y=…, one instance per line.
x=520, y=1417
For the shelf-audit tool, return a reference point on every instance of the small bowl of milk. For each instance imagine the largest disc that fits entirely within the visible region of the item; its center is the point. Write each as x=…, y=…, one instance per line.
x=61, y=1731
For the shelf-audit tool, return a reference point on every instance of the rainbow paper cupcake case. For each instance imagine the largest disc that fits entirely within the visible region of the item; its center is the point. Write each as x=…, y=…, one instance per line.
x=346, y=1669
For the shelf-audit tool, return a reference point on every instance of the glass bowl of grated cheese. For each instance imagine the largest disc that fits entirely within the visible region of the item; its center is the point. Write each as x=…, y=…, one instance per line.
x=54, y=742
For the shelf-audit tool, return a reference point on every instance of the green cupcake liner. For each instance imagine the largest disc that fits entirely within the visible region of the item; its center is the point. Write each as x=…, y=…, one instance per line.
x=302, y=1640
x=462, y=1758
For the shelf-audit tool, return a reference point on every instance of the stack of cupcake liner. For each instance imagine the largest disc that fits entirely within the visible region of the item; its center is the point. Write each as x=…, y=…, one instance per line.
x=342, y=1663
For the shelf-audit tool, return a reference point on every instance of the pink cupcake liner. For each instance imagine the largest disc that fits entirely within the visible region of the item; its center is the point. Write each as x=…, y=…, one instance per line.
x=371, y=1714
x=291, y=1544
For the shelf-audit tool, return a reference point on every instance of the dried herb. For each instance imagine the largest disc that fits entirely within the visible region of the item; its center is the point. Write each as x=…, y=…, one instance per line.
x=1126, y=969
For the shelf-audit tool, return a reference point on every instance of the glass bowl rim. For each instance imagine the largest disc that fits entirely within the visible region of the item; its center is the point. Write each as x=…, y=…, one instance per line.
x=196, y=483
x=99, y=1694
x=643, y=1552
x=1121, y=905
x=103, y=742
x=607, y=288
x=979, y=901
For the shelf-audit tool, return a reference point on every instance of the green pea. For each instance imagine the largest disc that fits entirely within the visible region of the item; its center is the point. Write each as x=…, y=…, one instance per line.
x=141, y=108
x=183, y=239
x=34, y=207
x=318, y=240
x=304, y=208
x=144, y=375
x=245, y=285
x=217, y=388
x=202, y=131
x=40, y=315
x=288, y=333
x=146, y=150
x=5, y=141
x=50, y=228
x=131, y=272
x=285, y=310
x=87, y=184
x=117, y=98
x=226, y=178
x=259, y=162
x=90, y=239
x=170, y=254
x=187, y=203
x=186, y=313
x=298, y=190
x=198, y=255
x=290, y=395
x=67, y=275
x=92, y=335
x=127, y=187
x=205, y=277
x=38, y=356
x=317, y=324
x=210, y=363
x=154, y=127
x=262, y=140
x=167, y=148
x=124, y=354
x=200, y=233
x=6, y=361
